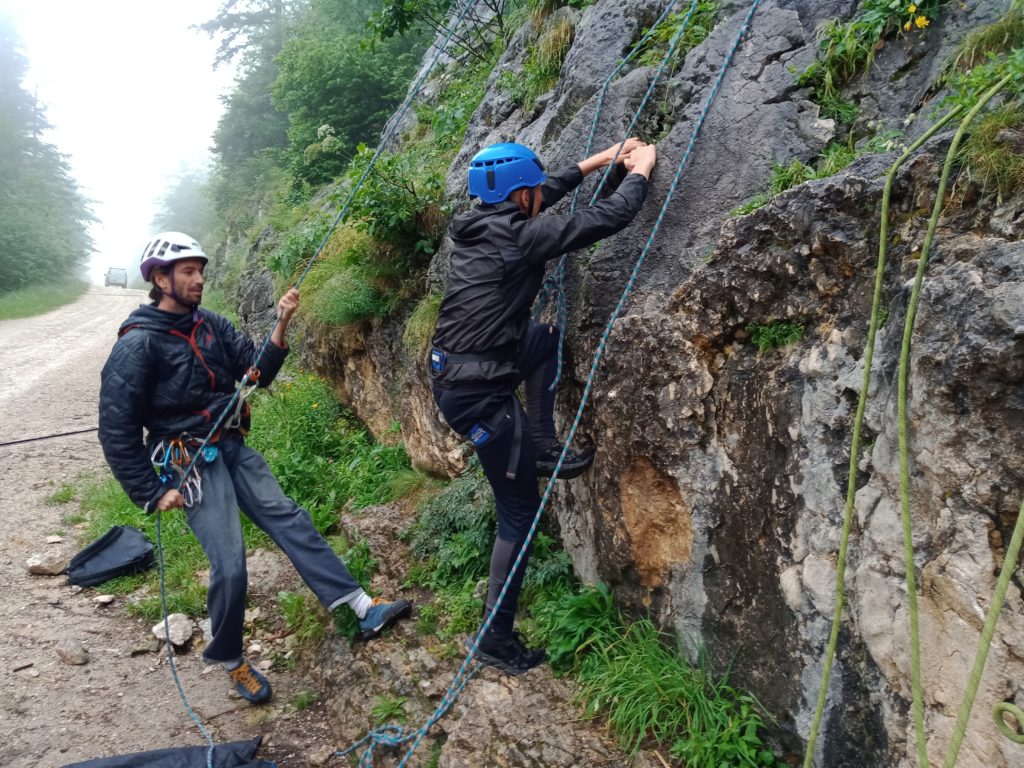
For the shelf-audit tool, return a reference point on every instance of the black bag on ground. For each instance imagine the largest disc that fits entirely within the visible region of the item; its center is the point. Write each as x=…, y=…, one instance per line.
x=238, y=754
x=121, y=551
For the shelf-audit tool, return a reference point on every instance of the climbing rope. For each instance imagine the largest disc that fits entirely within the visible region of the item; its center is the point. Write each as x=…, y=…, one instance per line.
x=555, y=284
x=251, y=375
x=48, y=437
x=1012, y=551
x=858, y=421
x=396, y=734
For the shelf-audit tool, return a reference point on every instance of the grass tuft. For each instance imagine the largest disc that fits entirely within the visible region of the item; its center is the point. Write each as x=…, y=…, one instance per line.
x=419, y=328
x=40, y=299
x=774, y=335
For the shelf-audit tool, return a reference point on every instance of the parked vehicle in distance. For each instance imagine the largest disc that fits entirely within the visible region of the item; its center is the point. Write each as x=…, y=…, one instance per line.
x=116, y=276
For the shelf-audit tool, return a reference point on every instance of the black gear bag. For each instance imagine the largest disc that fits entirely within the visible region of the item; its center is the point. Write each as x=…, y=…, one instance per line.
x=121, y=551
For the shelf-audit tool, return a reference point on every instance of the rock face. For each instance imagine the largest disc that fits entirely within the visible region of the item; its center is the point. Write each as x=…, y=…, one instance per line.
x=718, y=491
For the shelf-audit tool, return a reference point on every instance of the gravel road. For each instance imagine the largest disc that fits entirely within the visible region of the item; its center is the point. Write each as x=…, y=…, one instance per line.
x=53, y=713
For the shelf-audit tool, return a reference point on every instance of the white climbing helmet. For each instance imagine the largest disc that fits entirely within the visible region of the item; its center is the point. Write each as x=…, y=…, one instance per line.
x=166, y=248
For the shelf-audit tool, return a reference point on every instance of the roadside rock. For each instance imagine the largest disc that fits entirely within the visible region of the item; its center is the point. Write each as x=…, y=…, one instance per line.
x=47, y=564
x=72, y=651
x=180, y=627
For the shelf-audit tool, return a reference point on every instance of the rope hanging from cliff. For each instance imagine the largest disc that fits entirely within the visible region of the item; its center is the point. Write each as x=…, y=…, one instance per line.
x=249, y=376
x=1014, y=548
x=554, y=285
x=394, y=735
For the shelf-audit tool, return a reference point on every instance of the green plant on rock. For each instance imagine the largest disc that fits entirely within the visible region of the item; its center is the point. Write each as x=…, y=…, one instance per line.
x=389, y=709
x=303, y=616
x=704, y=18
x=303, y=700
x=774, y=335
x=541, y=67
x=997, y=38
x=993, y=154
x=573, y=624
x=419, y=328
x=847, y=48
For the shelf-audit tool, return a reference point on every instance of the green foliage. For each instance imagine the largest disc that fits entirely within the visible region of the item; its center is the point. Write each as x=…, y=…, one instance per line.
x=790, y=175
x=302, y=616
x=361, y=564
x=646, y=690
x=419, y=328
x=455, y=533
x=320, y=455
x=39, y=299
x=541, y=66
x=62, y=495
x=774, y=335
x=572, y=624
x=757, y=201
x=337, y=91
x=43, y=215
x=833, y=159
x=389, y=709
x=993, y=154
x=992, y=40
x=965, y=88
x=448, y=115
x=701, y=23
x=303, y=700
x=847, y=48
x=403, y=18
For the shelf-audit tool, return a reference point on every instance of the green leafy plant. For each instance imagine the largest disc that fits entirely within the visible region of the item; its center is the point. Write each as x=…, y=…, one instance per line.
x=389, y=709
x=993, y=154
x=541, y=66
x=302, y=615
x=774, y=335
x=303, y=700
x=572, y=624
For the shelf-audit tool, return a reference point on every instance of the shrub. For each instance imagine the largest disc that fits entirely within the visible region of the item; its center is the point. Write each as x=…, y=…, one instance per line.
x=993, y=154
x=701, y=23
x=774, y=335
x=541, y=67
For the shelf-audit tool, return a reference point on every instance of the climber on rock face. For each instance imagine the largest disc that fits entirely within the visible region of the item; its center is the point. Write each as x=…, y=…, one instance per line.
x=486, y=345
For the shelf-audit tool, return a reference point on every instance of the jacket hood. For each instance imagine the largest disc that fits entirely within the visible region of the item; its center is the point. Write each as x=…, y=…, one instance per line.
x=149, y=317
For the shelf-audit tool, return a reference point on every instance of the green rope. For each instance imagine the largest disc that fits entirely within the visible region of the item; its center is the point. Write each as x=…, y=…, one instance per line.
x=989, y=628
x=901, y=405
x=858, y=421
x=1018, y=714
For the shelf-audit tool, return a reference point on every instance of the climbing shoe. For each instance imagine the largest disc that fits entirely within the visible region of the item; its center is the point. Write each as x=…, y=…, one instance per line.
x=509, y=654
x=250, y=683
x=575, y=464
x=381, y=616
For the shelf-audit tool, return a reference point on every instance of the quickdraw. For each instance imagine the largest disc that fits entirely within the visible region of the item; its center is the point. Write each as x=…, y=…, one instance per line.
x=172, y=458
x=239, y=417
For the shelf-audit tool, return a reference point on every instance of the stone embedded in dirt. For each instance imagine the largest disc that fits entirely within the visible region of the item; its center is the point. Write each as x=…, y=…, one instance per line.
x=265, y=665
x=103, y=599
x=251, y=614
x=255, y=648
x=71, y=651
x=322, y=756
x=148, y=644
x=47, y=564
x=181, y=629
x=54, y=539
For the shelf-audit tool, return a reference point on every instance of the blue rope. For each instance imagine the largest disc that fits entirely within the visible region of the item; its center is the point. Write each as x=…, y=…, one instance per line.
x=555, y=284
x=170, y=649
x=468, y=667
x=246, y=378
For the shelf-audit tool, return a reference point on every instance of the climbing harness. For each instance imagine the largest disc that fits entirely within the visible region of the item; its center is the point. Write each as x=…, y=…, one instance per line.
x=395, y=735
x=1012, y=550
x=554, y=285
x=173, y=456
x=248, y=378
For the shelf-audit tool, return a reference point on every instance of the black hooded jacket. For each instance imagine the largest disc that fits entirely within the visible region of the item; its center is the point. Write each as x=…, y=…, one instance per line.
x=169, y=374
x=497, y=268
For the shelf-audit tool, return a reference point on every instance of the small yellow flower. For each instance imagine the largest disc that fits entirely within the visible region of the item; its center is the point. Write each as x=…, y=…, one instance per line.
x=906, y=27
x=921, y=22
x=911, y=8
x=315, y=405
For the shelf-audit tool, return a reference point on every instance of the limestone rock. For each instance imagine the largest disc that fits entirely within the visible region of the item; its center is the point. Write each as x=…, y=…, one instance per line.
x=72, y=651
x=47, y=564
x=179, y=628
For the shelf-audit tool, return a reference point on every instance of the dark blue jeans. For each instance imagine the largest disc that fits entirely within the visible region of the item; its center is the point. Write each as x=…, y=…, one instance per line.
x=240, y=478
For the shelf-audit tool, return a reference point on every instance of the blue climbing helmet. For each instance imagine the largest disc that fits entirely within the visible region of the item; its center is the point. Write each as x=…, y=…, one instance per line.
x=497, y=170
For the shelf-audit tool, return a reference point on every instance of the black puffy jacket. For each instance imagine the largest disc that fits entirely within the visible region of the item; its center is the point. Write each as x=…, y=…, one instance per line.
x=497, y=268
x=169, y=374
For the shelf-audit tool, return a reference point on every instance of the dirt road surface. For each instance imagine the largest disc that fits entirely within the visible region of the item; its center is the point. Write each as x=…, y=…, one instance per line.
x=53, y=713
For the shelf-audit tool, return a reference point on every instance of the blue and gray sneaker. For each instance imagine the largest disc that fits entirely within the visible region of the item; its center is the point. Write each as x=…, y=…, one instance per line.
x=250, y=683
x=381, y=616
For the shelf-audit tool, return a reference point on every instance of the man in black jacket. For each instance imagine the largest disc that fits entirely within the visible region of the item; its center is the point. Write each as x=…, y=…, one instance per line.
x=485, y=344
x=171, y=373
